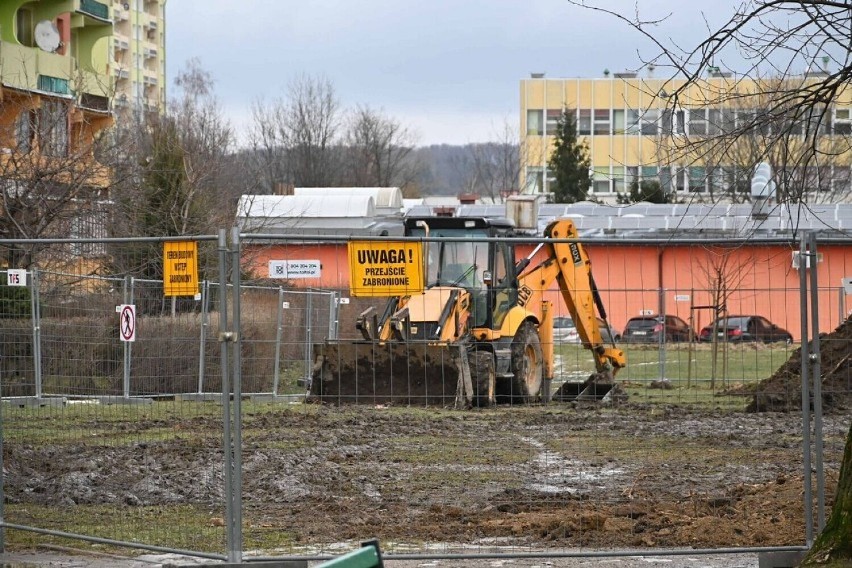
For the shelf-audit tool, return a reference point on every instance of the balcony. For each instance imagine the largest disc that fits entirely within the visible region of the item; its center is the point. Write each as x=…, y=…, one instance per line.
x=122, y=73
x=149, y=53
x=22, y=66
x=94, y=102
x=151, y=25
x=56, y=85
x=120, y=44
x=94, y=8
x=150, y=81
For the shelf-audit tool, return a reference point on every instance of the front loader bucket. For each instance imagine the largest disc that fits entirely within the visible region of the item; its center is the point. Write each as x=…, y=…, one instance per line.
x=401, y=373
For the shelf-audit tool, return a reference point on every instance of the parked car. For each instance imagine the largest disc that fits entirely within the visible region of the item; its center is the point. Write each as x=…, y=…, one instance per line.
x=745, y=328
x=564, y=331
x=655, y=328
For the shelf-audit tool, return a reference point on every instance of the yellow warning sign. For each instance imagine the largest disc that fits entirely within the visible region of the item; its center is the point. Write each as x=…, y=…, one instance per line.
x=385, y=268
x=180, y=268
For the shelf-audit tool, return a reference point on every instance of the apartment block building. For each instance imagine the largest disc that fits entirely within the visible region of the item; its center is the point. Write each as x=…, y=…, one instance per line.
x=139, y=56
x=56, y=93
x=55, y=87
x=636, y=130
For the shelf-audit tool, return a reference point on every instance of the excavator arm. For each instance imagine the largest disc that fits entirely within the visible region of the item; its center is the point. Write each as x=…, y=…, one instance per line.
x=568, y=265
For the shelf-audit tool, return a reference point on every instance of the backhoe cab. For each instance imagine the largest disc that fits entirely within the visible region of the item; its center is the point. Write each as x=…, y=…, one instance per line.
x=480, y=333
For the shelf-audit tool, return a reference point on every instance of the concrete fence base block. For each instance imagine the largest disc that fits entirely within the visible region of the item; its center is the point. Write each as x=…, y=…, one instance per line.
x=28, y=401
x=278, y=398
x=129, y=400
x=199, y=397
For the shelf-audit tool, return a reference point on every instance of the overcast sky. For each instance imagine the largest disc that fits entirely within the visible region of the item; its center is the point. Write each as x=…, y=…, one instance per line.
x=448, y=69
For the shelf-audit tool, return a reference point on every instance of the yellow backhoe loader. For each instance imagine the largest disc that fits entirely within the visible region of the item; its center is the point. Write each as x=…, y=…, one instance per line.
x=481, y=331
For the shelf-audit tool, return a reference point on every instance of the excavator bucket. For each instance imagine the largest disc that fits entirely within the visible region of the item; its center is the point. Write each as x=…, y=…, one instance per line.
x=407, y=373
x=598, y=387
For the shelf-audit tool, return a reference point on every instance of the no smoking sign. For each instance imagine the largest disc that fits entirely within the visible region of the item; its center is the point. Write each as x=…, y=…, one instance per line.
x=127, y=322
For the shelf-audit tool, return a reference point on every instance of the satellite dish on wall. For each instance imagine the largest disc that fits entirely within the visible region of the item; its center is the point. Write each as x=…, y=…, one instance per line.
x=47, y=36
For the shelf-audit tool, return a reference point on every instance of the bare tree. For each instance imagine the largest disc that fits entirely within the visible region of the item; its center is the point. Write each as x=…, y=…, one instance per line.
x=173, y=183
x=782, y=44
x=496, y=165
x=723, y=272
x=378, y=150
x=51, y=185
x=789, y=63
x=297, y=138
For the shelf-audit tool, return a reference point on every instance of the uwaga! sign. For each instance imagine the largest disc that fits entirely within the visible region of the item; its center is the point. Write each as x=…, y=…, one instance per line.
x=385, y=268
x=180, y=268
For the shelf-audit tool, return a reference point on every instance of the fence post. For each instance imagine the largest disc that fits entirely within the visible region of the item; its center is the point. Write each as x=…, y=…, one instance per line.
x=806, y=405
x=127, y=298
x=333, y=311
x=662, y=346
x=278, y=332
x=224, y=358
x=35, y=306
x=309, y=348
x=2, y=483
x=816, y=369
x=205, y=321
x=237, y=374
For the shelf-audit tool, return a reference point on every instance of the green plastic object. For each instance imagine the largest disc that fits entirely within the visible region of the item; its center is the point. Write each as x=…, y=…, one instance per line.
x=367, y=557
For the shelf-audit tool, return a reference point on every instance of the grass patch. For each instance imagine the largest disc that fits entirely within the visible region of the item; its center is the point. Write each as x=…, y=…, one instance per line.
x=684, y=363
x=184, y=527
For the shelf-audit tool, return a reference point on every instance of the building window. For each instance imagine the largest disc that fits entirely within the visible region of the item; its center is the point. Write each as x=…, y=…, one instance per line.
x=716, y=179
x=602, y=125
x=697, y=179
x=617, y=121
x=89, y=225
x=650, y=173
x=53, y=128
x=25, y=130
x=625, y=122
x=841, y=179
x=842, y=121
x=720, y=121
x=623, y=178
x=584, y=122
x=680, y=179
x=24, y=27
x=534, y=122
x=550, y=179
x=535, y=180
x=553, y=121
x=601, y=180
x=698, y=122
x=633, y=122
x=666, y=180
x=650, y=118
x=674, y=122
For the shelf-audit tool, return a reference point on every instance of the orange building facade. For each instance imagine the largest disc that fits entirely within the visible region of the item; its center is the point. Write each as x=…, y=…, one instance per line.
x=690, y=281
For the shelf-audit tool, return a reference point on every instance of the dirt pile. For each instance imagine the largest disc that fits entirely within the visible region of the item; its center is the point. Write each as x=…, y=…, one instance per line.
x=782, y=391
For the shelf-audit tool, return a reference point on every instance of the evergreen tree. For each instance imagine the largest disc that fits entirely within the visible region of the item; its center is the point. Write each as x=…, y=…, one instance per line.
x=647, y=190
x=569, y=162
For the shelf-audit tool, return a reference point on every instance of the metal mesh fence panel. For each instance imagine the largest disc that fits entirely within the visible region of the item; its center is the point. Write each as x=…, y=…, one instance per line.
x=97, y=441
x=676, y=460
